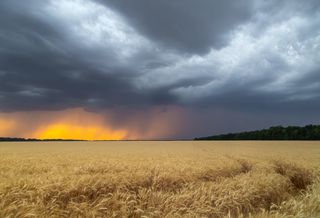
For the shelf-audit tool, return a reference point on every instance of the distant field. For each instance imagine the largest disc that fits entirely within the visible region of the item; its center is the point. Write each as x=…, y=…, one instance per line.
x=160, y=179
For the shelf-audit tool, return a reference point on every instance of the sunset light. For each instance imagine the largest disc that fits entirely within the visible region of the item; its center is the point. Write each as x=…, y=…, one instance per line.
x=78, y=123
x=68, y=131
x=66, y=124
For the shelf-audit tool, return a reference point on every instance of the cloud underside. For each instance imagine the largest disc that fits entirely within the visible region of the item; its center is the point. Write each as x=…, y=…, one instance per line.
x=245, y=56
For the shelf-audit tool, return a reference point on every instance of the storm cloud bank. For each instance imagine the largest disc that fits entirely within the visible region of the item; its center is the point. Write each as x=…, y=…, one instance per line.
x=241, y=57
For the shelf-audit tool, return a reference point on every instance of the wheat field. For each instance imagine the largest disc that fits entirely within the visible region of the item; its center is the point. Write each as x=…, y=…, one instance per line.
x=160, y=179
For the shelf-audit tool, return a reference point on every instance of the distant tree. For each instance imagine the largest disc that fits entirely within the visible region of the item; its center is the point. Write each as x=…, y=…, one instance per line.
x=309, y=132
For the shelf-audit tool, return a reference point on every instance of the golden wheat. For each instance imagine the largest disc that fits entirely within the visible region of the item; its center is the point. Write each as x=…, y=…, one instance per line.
x=160, y=179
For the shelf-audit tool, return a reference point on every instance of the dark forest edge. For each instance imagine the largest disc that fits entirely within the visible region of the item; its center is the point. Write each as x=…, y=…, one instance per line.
x=309, y=132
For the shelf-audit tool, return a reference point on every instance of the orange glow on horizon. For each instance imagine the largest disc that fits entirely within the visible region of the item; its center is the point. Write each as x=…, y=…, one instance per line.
x=67, y=131
x=68, y=124
x=77, y=123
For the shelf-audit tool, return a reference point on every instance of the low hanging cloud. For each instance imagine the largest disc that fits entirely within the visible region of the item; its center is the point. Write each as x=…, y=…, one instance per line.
x=245, y=57
x=187, y=26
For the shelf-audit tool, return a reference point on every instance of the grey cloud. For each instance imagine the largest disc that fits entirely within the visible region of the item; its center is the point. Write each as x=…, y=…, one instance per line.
x=37, y=54
x=186, y=25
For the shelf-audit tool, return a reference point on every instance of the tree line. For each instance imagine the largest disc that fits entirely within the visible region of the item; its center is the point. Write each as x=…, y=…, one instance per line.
x=309, y=132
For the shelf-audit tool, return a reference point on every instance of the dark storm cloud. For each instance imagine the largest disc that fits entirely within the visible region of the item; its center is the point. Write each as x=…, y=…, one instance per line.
x=42, y=68
x=187, y=25
x=239, y=56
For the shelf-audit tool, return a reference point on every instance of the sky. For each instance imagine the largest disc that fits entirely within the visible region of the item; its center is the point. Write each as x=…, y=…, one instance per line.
x=169, y=69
